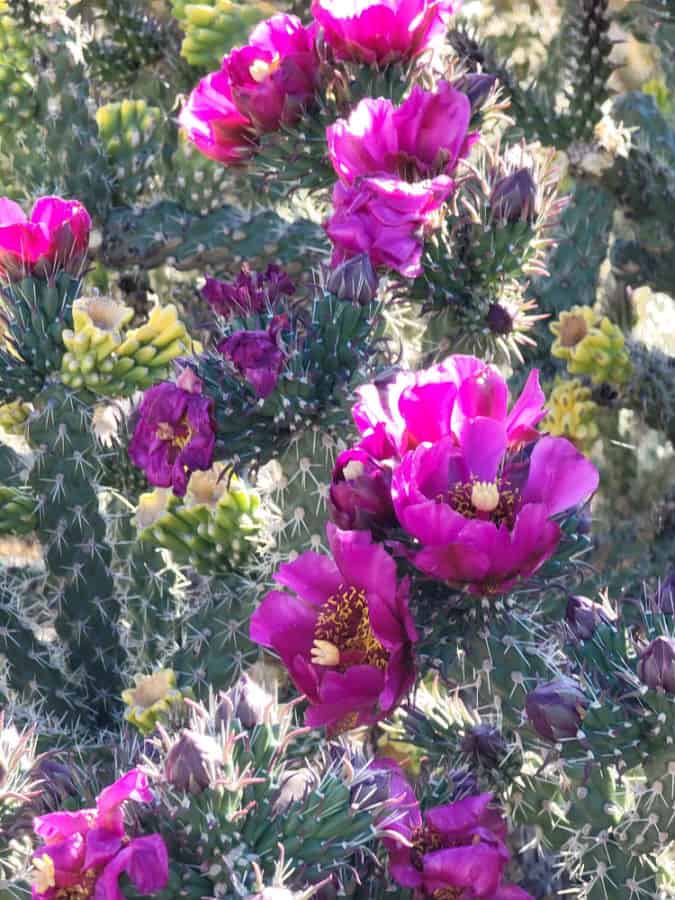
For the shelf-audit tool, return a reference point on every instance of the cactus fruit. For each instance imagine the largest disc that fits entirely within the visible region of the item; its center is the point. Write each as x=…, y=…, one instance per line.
x=13, y=416
x=571, y=413
x=212, y=28
x=131, y=134
x=591, y=345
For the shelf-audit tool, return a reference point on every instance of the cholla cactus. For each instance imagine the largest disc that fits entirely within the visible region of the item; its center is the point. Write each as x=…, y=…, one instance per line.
x=320, y=603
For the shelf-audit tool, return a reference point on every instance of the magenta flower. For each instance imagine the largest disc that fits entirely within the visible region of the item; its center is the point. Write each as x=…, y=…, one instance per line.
x=360, y=493
x=175, y=433
x=276, y=74
x=454, y=851
x=212, y=122
x=257, y=356
x=382, y=31
x=251, y=292
x=344, y=632
x=55, y=238
x=483, y=513
x=84, y=853
x=405, y=409
x=385, y=218
x=422, y=138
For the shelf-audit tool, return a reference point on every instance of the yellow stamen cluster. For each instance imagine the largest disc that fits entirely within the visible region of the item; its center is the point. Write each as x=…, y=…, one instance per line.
x=343, y=625
x=43, y=873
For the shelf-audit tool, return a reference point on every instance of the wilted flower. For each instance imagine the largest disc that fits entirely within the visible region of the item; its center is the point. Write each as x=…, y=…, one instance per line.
x=192, y=761
x=584, y=615
x=556, y=708
x=275, y=74
x=513, y=198
x=354, y=280
x=486, y=744
x=382, y=31
x=656, y=666
x=150, y=699
x=360, y=492
x=175, y=432
x=55, y=238
x=422, y=138
x=385, y=218
x=344, y=633
x=84, y=853
x=212, y=122
x=257, y=356
x=250, y=292
x=455, y=851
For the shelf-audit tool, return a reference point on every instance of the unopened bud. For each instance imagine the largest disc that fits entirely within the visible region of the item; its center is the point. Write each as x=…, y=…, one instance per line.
x=486, y=744
x=656, y=666
x=477, y=87
x=665, y=596
x=584, y=615
x=355, y=280
x=513, y=197
x=556, y=708
x=192, y=761
x=246, y=701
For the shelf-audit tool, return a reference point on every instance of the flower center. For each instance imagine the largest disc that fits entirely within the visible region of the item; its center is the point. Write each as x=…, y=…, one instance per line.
x=573, y=329
x=354, y=469
x=496, y=501
x=343, y=635
x=43, y=877
x=260, y=69
x=178, y=436
x=82, y=891
x=485, y=496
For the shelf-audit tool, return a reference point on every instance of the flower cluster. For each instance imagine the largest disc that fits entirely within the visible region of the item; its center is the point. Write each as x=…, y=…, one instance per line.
x=251, y=292
x=54, y=238
x=85, y=853
x=455, y=851
x=472, y=482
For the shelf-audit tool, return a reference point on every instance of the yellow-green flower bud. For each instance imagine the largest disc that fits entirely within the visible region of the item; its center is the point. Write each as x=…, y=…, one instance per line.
x=591, y=345
x=571, y=413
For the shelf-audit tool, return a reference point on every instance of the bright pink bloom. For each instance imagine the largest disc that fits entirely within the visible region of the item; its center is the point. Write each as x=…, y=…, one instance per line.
x=457, y=849
x=55, y=238
x=276, y=74
x=344, y=632
x=422, y=138
x=383, y=31
x=385, y=218
x=88, y=850
x=175, y=433
x=213, y=123
x=397, y=413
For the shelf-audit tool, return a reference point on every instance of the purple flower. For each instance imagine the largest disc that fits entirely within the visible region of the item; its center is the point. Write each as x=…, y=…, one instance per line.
x=55, y=238
x=477, y=86
x=251, y=292
x=422, y=138
x=382, y=31
x=257, y=356
x=276, y=74
x=85, y=852
x=212, y=122
x=482, y=513
x=656, y=666
x=360, y=493
x=513, y=198
x=344, y=632
x=584, y=615
x=556, y=708
x=397, y=413
x=385, y=218
x=175, y=432
x=454, y=851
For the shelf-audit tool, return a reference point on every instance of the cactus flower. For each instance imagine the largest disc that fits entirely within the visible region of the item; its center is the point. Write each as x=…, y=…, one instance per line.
x=360, y=492
x=192, y=762
x=54, y=238
x=212, y=122
x=513, y=198
x=343, y=631
x=385, y=218
x=175, y=432
x=151, y=699
x=556, y=708
x=455, y=851
x=583, y=616
x=477, y=86
x=424, y=137
x=257, y=356
x=250, y=292
x=379, y=32
x=656, y=666
x=275, y=74
x=85, y=853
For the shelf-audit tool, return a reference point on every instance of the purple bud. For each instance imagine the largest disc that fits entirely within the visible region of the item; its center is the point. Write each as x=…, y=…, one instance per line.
x=251, y=292
x=246, y=701
x=584, y=615
x=499, y=320
x=556, y=709
x=486, y=745
x=55, y=780
x=513, y=197
x=360, y=493
x=656, y=666
x=355, y=280
x=192, y=761
x=477, y=87
x=665, y=596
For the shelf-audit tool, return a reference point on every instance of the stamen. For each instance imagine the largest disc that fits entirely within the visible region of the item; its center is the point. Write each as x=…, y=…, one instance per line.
x=260, y=70
x=485, y=496
x=44, y=876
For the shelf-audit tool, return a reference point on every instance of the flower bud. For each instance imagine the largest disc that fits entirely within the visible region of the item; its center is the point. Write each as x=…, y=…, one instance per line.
x=355, y=280
x=556, y=708
x=665, y=596
x=513, y=197
x=486, y=745
x=360, y=493
x=55, y=781
x=477, y=87
x=583, y=616
x=656, y=666
x=191, y=762
x=246, y=701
